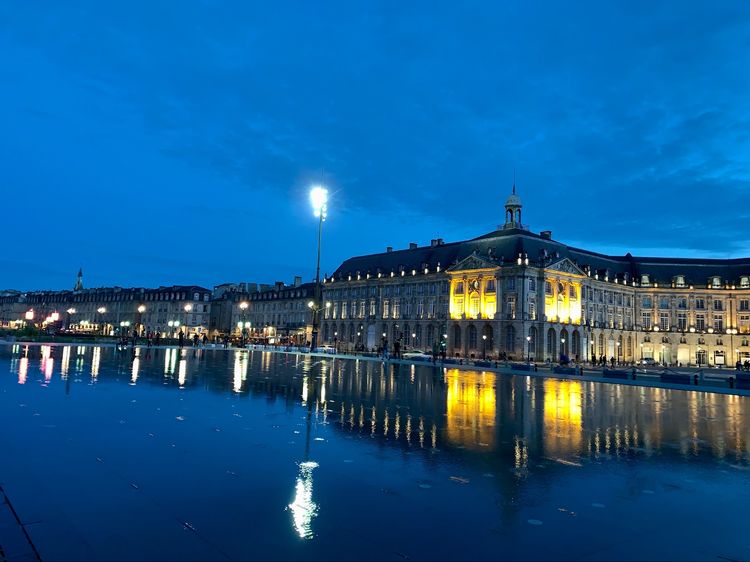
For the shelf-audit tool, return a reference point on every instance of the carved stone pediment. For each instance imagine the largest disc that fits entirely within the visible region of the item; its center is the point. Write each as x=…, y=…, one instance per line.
x=566, y=266
x=473, y=262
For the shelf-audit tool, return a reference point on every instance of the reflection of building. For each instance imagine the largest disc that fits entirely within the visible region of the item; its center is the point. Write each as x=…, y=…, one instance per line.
x=525, y=294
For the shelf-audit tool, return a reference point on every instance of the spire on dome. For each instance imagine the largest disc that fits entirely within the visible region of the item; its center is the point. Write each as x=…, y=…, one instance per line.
x=513, y=208
x=79, y=280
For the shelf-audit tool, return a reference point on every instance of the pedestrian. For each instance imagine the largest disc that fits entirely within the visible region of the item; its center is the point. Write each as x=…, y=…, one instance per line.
x=196, y=339
x=205, y=340
x=397, y=349
x=385, y=348
x=181, y=339
x=157, y=337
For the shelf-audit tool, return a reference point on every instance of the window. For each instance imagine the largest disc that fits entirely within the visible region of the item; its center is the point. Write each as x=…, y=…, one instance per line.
x=646, y=303
x=474, y=306
x=396, y=308
x=335, y=310
x=718, y=305
x=745, y=282
x=664, y=321
x=572, y=293
x=459, y=287
x=679, y=281
x=431, y=308
x=490, y=287
x=420, y=307
x=664, y=302
x=547, y=288
x=386, y=305
x=646, y=320
x=532, y=310
x=644, y=280
x=716, y=282
x=682, y=303
x=744, y=304
x=718, y=323
x=532, y=284
x=681, y=321
x=510, y=306
x=700, y=304
x=510, y=283
x=700, y=322
x=372, y=307
x=744, y=323
x=361, y=309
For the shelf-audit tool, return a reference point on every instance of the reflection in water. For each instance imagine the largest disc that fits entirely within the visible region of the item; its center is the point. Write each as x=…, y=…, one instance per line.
x=240, y=370
x=562, y=417
x=23, y=369
x=470, y=408
x=65, y=361
x=182, y=373
x=95, y=359
x=303, y=508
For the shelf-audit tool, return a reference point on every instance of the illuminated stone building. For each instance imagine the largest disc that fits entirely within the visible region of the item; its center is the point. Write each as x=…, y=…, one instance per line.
x=111, y=310
x=524, y=294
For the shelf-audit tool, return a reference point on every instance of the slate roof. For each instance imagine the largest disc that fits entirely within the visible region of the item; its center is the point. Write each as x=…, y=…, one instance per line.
x=503, y=247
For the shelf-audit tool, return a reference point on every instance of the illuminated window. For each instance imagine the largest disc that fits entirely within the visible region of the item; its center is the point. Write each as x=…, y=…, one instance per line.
x=718, y=323
x=386, y=308
x=459, y=287
x=644, y=279
x=572, y=293
x=700, y=322
x=700, y=304
x=745, y=282
x=718, y=305
x=744, y=323
x=396, y=308
x=474, y=306
x=664, y=321
x=510, y=306
x=681, y=321
x=547, y=288
x=716, y=282
x=372, y=307
x=532, y=310
x=646, y=320
x=679, y=281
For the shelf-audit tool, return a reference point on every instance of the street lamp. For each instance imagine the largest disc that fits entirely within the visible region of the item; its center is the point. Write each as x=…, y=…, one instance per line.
x=528, y=349
x=187, y=308
x=141, y=309
x=618, y=352
x=319, y=201
x=243, y=308
x=562, y=345
x=484, y=346
x=101, y=310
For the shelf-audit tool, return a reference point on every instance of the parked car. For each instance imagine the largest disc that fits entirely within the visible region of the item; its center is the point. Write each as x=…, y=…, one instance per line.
x=416, y=356
x=648, y=361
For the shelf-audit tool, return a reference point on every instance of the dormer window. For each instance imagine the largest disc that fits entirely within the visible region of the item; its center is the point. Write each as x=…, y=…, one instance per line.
x=679, y=281
x=745, y=282
x=716, y=282
x=645, y=280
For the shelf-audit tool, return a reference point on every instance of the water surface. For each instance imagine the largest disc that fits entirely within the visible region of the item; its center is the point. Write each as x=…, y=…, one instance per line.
x=216, y=454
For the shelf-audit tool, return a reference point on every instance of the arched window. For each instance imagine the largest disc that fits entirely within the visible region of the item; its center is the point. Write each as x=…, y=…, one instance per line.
x=601, y=345
x=472, y=336
x=457, y=336
x=430, y=335
x=510, y=339
x=551, y=344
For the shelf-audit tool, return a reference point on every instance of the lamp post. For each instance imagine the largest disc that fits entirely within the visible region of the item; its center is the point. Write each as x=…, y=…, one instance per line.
x=484, y=346
x=413, y=340
x=528, y=349
x=141, y=310
x=101, y=310
x=562, y=346
x=319, y=200
x=71, y=312
x=243, y=308
x=618, y=352
x=187, y=308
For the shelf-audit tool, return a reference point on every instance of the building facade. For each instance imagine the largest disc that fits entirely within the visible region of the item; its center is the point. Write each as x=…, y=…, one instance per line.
x=278, y=313
x=520, y=294
x=111, y=310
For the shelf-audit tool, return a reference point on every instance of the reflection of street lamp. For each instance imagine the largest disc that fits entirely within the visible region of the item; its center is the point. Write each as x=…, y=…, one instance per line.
x=319, y=200
x=528, y=349
x=484, y=346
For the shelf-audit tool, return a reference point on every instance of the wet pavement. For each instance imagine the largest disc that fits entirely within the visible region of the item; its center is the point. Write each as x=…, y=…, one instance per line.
x=233, y=455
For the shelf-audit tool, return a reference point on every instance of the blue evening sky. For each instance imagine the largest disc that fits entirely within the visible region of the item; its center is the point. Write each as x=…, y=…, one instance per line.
x=174, y=142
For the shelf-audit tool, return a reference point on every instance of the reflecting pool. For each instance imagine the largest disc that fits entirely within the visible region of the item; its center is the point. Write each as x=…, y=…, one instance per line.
x=221, y=454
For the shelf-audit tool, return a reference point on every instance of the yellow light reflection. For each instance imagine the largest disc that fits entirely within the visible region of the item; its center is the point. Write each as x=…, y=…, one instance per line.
x=95, y=358
x=562, y=417
x=134, y=369
x=470, y=408
x=182, y=374
x=65, y=361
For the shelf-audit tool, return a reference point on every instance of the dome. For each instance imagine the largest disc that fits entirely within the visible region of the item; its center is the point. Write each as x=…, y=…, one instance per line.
x=513, y=201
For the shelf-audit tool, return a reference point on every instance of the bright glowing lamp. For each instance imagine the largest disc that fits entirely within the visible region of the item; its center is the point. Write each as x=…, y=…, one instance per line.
x=319, y=201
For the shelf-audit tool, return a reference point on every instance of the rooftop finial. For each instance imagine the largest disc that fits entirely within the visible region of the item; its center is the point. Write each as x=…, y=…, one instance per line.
x=514, y=180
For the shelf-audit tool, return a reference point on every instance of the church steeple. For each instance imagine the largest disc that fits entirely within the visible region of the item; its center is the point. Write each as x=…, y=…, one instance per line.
x=79, y=281
x=513, y=208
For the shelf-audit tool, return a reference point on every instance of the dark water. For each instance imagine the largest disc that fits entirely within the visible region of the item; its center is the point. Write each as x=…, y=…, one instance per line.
x=234, y=455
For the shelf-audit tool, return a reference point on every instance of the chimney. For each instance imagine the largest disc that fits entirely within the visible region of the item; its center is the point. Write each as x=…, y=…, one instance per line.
x=433, y=243
x=546, y=234
x=389, y=248
x=412, y=245
x=297, y=280
x=439, y=242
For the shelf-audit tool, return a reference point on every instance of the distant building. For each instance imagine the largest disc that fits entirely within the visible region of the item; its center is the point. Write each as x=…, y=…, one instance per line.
x=112, y=310
x=525, y=295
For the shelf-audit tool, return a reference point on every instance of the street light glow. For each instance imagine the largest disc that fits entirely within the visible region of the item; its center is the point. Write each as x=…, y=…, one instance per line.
x=142, y=309
x=188, y=307
x=243, y=305
x=101, y=310
x=319, y=201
